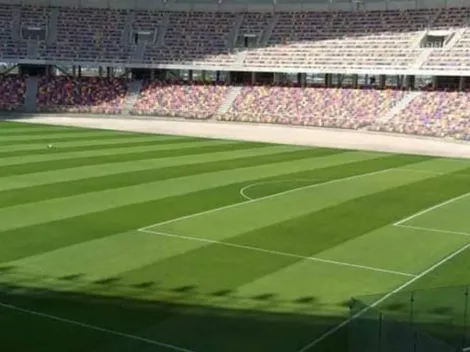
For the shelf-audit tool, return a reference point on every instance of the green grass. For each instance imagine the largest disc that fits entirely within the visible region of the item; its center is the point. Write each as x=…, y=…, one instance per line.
x=116, y=241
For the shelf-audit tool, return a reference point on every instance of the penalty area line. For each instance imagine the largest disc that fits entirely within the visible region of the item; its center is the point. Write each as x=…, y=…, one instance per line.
x=95, y=328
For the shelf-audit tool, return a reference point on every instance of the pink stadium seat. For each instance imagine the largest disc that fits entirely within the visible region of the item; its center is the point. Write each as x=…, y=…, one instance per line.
x=436, y=114
x=177, y=99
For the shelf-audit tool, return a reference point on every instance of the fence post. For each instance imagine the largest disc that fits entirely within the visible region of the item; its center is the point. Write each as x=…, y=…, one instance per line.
x=412, y=301
x=379, y=336
x=465, y=320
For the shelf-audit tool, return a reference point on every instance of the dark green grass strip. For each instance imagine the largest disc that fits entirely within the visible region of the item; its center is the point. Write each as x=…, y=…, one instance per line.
x=124, y=179
x=91, y=147
x=35, y=239
x=33, y=167
x=6, y=125
x=34, y=132
x=51, y=139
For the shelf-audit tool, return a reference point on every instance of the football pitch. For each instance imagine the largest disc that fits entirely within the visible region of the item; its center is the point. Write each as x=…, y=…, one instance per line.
x=115, y=241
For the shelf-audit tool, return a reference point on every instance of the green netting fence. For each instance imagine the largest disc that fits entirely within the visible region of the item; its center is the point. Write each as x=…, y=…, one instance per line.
x=432, y=320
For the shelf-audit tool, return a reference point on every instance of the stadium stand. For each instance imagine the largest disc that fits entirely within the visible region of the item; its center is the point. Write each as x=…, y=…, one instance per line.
x=322, y=107
x=84, y=95
x=342, y=65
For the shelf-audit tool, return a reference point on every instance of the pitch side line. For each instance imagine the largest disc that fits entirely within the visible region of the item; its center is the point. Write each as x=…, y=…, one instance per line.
x=434, y=207
x=385, y=297
x=94, y=327
x=234, y=205
x=284, y=254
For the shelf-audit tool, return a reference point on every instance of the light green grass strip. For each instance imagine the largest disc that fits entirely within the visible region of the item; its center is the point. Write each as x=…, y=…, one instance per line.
x=91, y=143
x=78, y=173
x=44, y=211
x=105, y=152
x=330, y=286
x=100, y=258
x=452, y=217
x=396, y=248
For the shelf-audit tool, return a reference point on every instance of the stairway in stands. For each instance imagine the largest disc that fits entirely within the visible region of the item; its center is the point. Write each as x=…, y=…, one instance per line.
x=230, y=97
x=31, y=92
x=132, y=95
x=400, y=106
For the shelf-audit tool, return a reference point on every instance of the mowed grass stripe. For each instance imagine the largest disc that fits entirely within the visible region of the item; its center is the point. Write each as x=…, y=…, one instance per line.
x=107, y=152
x=9, y=125
x=34, y=239
x=80, y=136
x=92, y=146
x=35, y=131
x=116, y=158
x=83, y=172
x=125, y=179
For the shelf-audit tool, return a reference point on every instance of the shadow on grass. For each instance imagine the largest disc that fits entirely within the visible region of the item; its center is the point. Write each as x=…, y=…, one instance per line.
x=108, y=315
x=92, y=316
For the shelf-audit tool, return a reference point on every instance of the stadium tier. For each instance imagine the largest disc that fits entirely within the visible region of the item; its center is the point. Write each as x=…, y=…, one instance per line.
x=297, y=40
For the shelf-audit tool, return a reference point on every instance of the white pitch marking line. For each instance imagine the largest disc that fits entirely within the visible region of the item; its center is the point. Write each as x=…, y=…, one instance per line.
x=434, y=207
x=466, y=349
x=433, y=230
x=382, y=299
x=234, y=205
x=251, y=248
x=243, y=190
x=94, y=327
